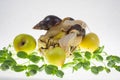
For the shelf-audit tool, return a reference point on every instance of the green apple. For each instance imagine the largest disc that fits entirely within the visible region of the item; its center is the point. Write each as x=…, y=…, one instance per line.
x=24, y=42
x=90, y=42
x=55, y=56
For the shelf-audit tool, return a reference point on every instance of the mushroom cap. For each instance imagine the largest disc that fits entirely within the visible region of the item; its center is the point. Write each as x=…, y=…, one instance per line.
x=77, y=29
x=48, y=22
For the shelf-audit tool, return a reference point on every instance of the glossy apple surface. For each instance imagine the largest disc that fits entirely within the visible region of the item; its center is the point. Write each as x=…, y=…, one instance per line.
x=24, y=42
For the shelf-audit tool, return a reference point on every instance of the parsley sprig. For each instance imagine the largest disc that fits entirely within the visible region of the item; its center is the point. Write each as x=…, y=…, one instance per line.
x=81, y=59
x=32, y=67
x=85, y=60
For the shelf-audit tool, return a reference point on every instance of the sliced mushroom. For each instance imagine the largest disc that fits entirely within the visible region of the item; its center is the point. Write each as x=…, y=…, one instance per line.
x=72, y=39
x=66, y=41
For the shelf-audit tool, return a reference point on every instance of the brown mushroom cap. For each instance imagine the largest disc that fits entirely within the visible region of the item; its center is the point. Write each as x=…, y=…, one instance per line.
x=78, y=29
x=48, y=22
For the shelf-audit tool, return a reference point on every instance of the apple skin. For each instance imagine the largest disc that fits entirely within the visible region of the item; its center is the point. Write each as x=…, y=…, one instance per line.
x=90, y=42
x=24, y=42
x=55, y=56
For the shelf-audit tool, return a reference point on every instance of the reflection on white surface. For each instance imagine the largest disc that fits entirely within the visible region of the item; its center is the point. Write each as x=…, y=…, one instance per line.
x=102, y=17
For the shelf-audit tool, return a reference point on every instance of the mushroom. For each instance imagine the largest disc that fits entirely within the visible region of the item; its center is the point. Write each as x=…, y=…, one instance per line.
x=63, y=26
x=72, y=39
x=47, y=22
x=66, y=33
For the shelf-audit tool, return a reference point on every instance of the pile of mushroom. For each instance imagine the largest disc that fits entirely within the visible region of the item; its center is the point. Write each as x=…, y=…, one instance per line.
x=66, y=33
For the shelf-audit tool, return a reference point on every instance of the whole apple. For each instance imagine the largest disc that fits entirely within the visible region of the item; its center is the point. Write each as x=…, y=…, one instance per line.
x=24, y=42
x=55, y=56
x=90, y=42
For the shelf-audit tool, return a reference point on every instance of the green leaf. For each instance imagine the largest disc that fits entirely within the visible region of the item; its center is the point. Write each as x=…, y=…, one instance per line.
x=107, y=70
x=42, y=58
x=86, y=65
x=99, y=50
x=31, y=72
x=117, y=59
x=19, y=68
x=4, y=67
x=51, y=69
x=100, y=68
x=2, y=59
x=87, y=55
x=10, y=61
x=22, y=54
x=111, y=63
x=3, y=53
x=117, y=68
x=77, y=66
x=94, y=70
x=69, y=64
x=109, y=58
x=113, y=58
x=34, y=58
x=33, y=67
x=78, y=59
x=59, y=73
x=77, y=54
x=42, y=67
x=10, y=53
x=99, y=58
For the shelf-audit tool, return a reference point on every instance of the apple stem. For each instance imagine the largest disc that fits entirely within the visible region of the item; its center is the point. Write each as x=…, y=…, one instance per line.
x=23, y=42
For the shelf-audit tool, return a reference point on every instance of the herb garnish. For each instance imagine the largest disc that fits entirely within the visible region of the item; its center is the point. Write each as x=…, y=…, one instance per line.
x=81, y=59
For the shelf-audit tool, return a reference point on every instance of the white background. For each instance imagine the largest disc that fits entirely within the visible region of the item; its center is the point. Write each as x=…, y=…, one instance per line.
x=102, y=17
